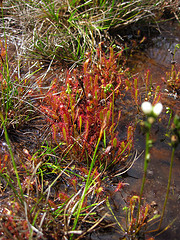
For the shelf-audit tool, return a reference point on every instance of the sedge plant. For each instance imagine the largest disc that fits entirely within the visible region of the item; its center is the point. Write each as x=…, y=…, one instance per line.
x=151, y=112
x=175, y=140
x=136, y=221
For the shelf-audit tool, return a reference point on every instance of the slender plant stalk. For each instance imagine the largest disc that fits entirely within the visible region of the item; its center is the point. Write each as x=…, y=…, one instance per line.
x=167, y=192
x=168, y=186
x=87, y=183
x=109, y=207
x=21, y=198
x=146, y=161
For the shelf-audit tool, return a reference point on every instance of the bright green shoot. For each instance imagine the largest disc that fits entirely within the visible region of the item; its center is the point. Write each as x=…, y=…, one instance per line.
x=21, y=195
x=152, y=112
x=88, y=181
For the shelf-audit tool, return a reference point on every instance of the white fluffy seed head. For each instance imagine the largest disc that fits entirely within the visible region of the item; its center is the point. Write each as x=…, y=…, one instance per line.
x=146, y=107
x=157, y=109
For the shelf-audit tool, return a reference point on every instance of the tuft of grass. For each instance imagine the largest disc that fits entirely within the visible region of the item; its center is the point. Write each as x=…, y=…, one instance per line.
x=129, y=228
x=172, y=78
x=66, y=30
x=15, y=91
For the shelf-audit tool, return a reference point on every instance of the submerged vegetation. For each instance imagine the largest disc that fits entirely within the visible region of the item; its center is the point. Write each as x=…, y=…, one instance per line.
x=64, y=141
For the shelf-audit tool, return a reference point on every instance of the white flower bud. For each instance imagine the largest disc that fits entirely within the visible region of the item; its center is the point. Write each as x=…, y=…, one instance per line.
x=148, y=157
x=157, y=109
x=151, y=120
x=146, y=107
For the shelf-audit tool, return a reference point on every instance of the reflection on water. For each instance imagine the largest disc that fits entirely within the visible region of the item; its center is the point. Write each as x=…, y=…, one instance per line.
x=158, y=57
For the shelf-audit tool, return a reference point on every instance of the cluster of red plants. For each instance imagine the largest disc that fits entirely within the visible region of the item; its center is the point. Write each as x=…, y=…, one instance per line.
x=13, y=226
x=172, y=80
x=83, y=110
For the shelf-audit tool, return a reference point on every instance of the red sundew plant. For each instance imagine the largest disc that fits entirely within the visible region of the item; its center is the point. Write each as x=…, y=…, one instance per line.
x=79, y=110
x=63, y=197
x=12, y=225
x=172, y=80
x=3, y=162
x=16, y=228
x=133, y=227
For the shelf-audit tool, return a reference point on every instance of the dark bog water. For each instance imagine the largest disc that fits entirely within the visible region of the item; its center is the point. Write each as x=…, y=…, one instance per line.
x=157, y=179
x=158, y=56
x=157, y=59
